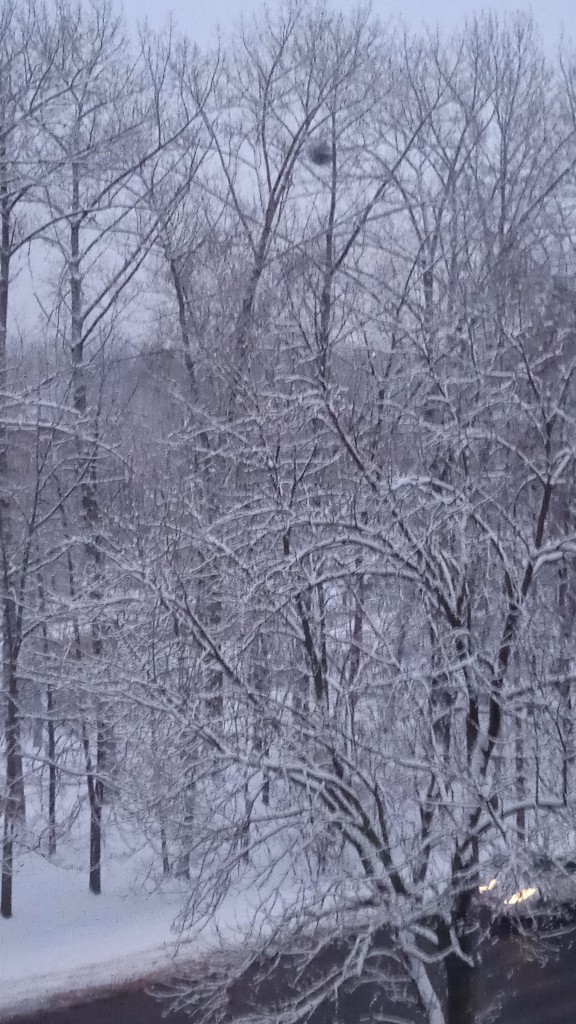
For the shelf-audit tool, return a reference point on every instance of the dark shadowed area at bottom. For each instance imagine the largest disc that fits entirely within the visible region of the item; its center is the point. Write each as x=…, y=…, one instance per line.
x=132, y=1008
x=524, y=990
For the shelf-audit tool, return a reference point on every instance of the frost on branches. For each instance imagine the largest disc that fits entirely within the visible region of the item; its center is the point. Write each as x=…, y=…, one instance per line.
x=286, y=482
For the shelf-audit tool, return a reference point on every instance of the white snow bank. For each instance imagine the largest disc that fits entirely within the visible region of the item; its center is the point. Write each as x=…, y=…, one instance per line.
x=65, y=945
x=63, y=942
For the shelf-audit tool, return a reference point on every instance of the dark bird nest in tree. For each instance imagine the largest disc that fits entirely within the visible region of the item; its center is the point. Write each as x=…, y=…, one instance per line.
x=320, y=154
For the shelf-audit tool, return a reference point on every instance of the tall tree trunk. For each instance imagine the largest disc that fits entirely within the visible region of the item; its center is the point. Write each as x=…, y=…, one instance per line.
x=520, y=773
x=50, y=728
x=95, y=803
x=91, y=518
x=13, y=773
x=460, y=974
x=566, y=606
x=51, y=771
x=164, y=852
x=15, y=802
x=459, y=991
x=7, y=862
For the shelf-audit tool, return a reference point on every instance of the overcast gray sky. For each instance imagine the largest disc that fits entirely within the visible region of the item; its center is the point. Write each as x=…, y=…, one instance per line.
x=201, y=17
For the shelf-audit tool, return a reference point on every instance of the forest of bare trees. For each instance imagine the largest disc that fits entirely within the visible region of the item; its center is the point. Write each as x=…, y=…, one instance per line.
x=287, y=462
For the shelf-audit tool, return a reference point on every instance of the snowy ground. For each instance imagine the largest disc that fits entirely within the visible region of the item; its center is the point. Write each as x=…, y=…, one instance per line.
x=63, y=942
x=65, y=945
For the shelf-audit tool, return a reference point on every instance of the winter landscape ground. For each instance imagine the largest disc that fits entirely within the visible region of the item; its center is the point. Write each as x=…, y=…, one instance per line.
x=64, y=943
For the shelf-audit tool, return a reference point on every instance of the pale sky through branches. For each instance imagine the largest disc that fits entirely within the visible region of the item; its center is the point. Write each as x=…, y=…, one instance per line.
x=200, y=18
